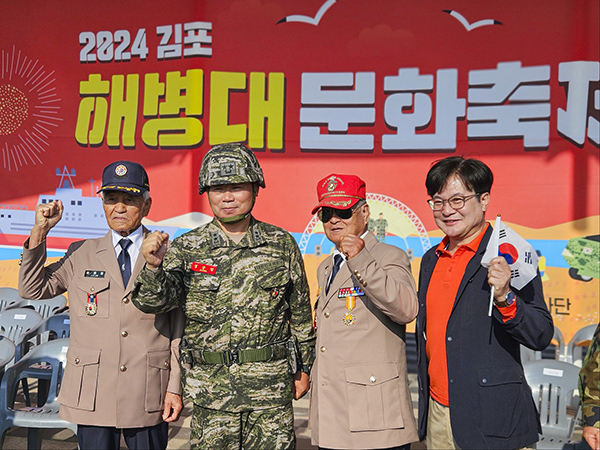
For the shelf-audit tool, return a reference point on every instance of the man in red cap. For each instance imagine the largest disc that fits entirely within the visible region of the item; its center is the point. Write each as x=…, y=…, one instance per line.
x=359, y=385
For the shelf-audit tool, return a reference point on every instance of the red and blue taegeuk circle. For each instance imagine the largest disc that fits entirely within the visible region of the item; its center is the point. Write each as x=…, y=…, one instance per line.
x=509, y=252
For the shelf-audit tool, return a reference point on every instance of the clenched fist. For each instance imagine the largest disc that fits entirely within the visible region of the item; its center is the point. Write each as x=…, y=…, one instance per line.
x=46, y=217
x=154, y=248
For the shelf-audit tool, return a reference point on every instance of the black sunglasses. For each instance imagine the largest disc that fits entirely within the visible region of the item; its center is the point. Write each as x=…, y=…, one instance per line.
x=326, y=213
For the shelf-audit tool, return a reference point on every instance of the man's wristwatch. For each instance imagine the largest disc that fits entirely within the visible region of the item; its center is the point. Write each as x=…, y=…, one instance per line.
x=509, y=299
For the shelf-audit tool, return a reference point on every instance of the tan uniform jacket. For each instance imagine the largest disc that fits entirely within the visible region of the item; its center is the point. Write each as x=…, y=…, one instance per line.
x=120, y=360
x=359, y=384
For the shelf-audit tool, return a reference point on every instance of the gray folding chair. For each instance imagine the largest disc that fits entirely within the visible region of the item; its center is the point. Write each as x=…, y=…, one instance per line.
x=45, y=307
x=53, y=353
x=578, y=344
x=554, y=388
x=8, y=296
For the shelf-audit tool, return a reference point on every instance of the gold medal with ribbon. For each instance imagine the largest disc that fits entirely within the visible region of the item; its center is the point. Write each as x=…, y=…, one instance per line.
x=349, y=318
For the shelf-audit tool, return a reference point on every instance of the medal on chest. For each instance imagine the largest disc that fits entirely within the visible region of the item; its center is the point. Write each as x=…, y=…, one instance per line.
x=350, y=294
x=92, y=304
x=349, y=318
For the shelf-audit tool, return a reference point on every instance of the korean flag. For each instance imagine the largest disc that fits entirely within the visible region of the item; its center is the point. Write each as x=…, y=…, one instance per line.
x=519, y=254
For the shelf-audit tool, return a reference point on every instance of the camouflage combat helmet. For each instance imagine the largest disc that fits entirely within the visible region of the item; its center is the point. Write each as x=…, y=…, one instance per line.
x=229, y=164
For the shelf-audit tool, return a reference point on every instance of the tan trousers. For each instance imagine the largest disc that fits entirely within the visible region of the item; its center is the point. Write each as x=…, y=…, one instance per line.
x=439, y=430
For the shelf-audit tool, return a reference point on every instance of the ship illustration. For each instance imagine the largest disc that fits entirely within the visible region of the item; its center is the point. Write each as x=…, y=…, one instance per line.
x=83, y=217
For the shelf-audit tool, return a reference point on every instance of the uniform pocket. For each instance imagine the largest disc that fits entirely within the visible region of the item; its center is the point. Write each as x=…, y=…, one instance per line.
x=80, y=382
x=374, y=397
x=499, y=396
x=87, y=289
x=203, y=290
x=157, y=379
x=274, y=283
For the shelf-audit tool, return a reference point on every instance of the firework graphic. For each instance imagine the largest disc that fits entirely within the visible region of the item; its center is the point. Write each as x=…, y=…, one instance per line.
x=29, y=109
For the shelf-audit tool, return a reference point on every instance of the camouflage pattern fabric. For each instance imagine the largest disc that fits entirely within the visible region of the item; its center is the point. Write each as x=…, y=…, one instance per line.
x=589, y=383
x=380, y=226
x=218, y=430
x=243, y=296
x=229, y=164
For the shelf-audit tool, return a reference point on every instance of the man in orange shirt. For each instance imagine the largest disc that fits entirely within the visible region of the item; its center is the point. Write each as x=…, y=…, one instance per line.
x=472, y=391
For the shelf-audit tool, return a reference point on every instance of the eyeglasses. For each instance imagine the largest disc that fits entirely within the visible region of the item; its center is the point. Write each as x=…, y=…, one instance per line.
x=456, y=203
x=325, y=214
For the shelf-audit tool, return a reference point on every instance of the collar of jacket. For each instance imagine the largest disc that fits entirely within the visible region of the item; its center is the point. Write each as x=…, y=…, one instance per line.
x=255, y=236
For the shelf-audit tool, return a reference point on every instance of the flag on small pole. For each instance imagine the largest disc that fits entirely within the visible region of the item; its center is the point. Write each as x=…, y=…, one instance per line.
x=519, y=254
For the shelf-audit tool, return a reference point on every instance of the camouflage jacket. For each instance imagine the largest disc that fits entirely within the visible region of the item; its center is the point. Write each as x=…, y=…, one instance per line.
x=589, y=383
x=235, y=296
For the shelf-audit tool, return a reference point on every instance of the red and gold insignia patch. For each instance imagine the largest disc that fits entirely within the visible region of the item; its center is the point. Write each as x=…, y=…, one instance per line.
x=203, y=268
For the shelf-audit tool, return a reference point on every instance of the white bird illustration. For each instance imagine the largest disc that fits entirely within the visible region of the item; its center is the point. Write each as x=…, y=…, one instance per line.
x=471, y=26
x=307, y=19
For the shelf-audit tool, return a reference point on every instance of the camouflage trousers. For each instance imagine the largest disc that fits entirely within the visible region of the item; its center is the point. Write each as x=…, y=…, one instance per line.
x=271, y=429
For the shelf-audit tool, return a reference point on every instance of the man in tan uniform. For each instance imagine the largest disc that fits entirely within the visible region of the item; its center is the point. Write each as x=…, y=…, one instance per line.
x=359, y=384
x=122, y=373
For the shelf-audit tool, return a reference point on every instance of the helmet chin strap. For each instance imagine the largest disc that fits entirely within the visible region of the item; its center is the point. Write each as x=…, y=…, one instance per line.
x=240, y=217
x=233, y=219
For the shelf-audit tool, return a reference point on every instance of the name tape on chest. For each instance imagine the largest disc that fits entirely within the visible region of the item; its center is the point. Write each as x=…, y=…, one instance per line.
x=94, y=273
x=203, y=268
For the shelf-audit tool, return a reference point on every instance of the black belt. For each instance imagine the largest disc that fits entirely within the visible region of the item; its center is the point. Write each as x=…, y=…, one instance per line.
x=235, y=356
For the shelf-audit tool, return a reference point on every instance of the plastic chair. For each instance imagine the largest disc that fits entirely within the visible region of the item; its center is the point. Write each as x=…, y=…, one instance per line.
x=560, y=345
x=528, y=354
x=554, y=388
x=45, y=307
x=54, y=327
x=53, y=353
x=7, y=353
x=578, y=343
x=8, y=296
x=15, y=322
x=57, y=326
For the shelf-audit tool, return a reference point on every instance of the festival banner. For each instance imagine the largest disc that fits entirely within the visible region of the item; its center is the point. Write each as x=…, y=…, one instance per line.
x=380, y=90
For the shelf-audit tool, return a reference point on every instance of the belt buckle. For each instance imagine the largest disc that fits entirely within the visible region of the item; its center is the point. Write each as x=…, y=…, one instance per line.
x=232, y=357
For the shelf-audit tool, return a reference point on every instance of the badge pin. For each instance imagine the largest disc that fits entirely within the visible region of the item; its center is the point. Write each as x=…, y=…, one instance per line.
x=92, y=305
x=349, y=319
x=121, y=170
x=91, y=309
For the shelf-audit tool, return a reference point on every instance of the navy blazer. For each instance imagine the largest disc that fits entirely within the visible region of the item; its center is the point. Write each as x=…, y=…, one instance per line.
x=491, y=406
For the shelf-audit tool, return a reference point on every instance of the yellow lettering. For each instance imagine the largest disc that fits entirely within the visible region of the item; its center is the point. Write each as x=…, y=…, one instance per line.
x=221, y=83
x=269, y=108
x=90, y=105
x=123, y=110
x=182, y=132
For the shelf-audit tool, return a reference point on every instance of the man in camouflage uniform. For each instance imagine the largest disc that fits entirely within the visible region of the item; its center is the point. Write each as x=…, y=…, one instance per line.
x=248, y=337
x=589, y=392
x=381, y=226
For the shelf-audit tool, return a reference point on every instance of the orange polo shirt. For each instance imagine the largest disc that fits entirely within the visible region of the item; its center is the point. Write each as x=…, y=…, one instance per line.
x=441, y=294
